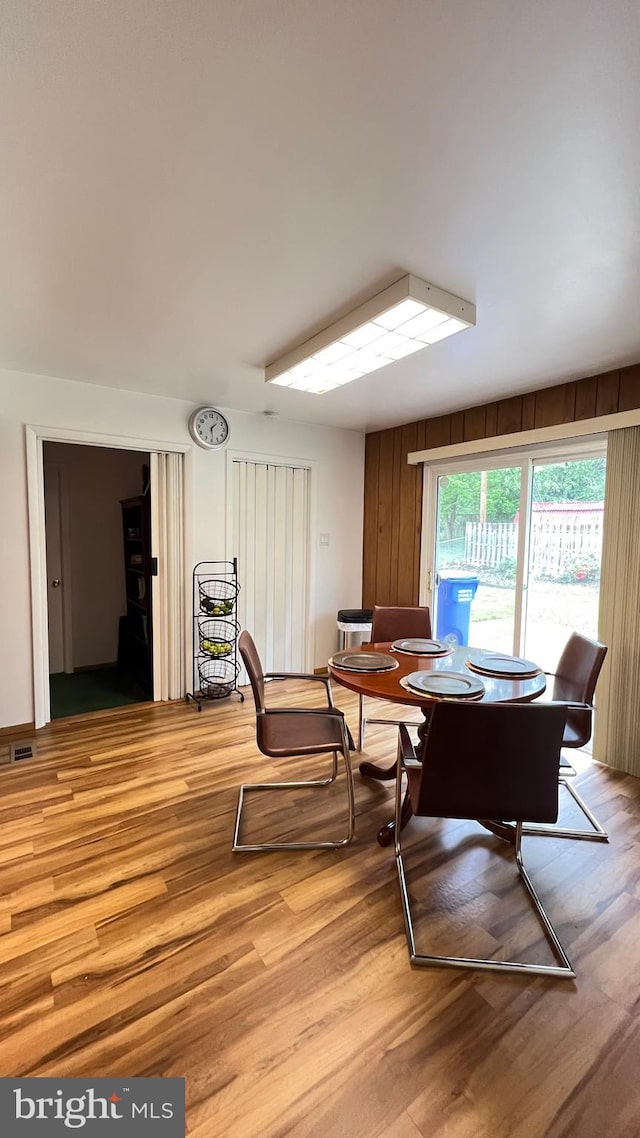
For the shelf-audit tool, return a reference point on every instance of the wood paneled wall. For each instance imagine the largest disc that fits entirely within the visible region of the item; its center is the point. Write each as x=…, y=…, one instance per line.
x=393, y=490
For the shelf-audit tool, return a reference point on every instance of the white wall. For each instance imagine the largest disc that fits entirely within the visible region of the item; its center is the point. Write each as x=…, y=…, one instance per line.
x=96, y=479
x=338, y=458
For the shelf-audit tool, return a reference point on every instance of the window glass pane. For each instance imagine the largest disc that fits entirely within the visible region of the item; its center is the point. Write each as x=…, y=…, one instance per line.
x=476, y=551
x=564, y=555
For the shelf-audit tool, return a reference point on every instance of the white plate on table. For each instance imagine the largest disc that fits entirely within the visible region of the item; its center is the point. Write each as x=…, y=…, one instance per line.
x=444, y=685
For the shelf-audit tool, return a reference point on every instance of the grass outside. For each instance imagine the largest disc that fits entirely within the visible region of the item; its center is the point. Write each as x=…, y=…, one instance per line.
x=553, y=612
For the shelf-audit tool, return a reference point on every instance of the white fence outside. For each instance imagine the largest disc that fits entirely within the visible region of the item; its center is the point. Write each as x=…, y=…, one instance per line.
x=555, y=542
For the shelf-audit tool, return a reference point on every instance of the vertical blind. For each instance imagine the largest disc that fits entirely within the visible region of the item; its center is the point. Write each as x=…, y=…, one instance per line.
x=271, y=542
x=617, y=722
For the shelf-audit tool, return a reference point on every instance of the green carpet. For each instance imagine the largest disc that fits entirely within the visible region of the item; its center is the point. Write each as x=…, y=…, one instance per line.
x=80, y=692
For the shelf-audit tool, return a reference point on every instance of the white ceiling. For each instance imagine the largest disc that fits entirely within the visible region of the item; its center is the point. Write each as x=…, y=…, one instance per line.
x=189, y=187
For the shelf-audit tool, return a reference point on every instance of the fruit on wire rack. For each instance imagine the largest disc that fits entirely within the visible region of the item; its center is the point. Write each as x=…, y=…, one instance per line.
x=216, y=607
x=215, y=631
x=216, y=648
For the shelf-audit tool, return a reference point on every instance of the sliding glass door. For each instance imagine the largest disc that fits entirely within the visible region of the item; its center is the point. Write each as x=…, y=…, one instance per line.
x=565, y=544
x=511, y=553
x=476, y=555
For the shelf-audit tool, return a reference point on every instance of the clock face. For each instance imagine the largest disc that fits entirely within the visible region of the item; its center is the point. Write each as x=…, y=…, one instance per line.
x=209, y=428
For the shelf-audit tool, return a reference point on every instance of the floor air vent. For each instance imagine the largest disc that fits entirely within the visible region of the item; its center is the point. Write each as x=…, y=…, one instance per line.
x=25, y=749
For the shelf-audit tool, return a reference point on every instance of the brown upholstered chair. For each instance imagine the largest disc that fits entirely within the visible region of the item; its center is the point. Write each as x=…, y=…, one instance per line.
x=574, y=685
x=293, y=733
x=485, y=761
x=393, y=623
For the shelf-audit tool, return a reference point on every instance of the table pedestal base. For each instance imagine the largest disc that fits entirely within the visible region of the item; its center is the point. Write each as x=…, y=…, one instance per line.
x=504, y=830
x=386, y=834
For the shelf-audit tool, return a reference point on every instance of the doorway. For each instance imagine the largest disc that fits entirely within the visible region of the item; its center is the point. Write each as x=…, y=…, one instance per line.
x=172, y=491
x=515, y=550
x=98, y=577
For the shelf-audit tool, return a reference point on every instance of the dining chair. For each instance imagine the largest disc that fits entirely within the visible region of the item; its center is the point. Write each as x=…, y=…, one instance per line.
x=390, y=623
x=484, y=761
x=283, y=733
x=574, y=684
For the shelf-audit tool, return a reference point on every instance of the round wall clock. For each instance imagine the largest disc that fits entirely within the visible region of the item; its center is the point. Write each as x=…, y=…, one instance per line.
x=209, y=428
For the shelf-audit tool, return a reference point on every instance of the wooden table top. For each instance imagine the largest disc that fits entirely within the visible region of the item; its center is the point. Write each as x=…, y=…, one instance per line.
x=386, y=685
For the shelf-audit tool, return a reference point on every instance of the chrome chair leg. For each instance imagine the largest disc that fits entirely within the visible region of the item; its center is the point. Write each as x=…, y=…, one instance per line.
x=256, y=847
x=362, y=722
x=596, y=834
x=563, y=970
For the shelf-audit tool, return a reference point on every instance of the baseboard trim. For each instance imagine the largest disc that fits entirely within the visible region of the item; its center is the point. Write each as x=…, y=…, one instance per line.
x=8, y=734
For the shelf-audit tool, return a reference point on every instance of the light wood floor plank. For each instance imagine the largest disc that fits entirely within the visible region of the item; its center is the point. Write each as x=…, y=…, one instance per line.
x=134, y=942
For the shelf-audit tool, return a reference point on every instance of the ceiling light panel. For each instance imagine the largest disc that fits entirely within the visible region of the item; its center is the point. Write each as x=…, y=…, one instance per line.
x=405, y=318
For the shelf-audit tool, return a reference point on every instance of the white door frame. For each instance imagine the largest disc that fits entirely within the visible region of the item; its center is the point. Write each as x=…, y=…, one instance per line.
x=524, y=456
x=35, y=436
x=60, y=469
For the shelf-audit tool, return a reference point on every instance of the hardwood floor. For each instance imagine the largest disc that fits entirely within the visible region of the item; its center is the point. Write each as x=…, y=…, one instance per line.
x=133, y=942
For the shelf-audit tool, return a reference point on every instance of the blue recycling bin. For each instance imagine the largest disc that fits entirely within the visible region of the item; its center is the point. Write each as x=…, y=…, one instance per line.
x=455, y=594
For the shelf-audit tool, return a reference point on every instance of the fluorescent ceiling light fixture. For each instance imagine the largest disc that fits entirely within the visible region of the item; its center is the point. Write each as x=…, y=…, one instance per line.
x=405, y=318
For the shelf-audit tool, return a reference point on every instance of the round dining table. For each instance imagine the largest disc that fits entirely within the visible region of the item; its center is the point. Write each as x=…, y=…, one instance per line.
x=386, y=685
